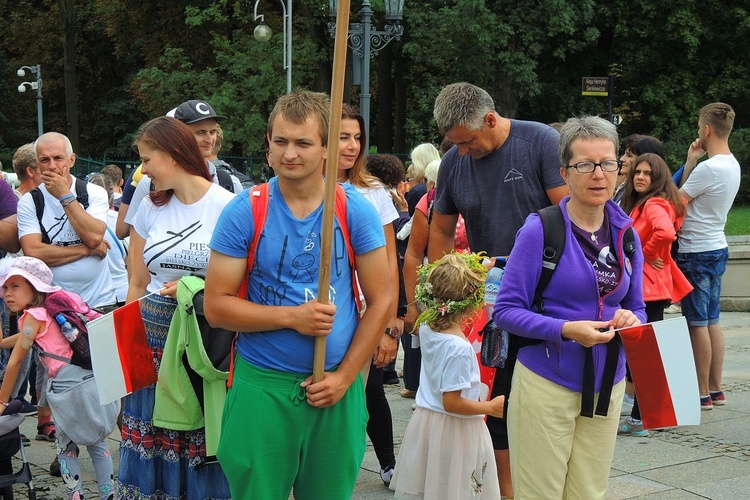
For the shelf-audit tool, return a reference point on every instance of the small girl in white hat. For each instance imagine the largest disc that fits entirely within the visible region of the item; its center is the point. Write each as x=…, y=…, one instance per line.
x=24, y=288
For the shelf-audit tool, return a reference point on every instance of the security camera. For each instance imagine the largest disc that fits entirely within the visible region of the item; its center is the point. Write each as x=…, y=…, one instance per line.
x=22, y=88
x=21, y=72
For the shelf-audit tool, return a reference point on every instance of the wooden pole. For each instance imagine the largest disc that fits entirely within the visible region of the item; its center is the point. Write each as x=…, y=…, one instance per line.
x=332, y=165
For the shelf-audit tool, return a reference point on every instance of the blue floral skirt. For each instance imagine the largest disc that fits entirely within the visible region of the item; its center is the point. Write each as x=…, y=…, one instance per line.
x=157, y=462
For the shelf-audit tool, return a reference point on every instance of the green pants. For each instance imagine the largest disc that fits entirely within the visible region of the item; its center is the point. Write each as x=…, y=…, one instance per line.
x=272, y=441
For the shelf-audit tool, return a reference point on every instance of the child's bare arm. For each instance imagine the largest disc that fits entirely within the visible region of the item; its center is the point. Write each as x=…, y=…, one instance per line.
x=9, y=342
x=24, y=341
x=454, y=403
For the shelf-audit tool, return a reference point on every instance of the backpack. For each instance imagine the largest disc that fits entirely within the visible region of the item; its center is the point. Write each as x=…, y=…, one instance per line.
x=259, y=202
x=223, y=177
x=431, y=195
x=223, y=168
x=553, y=226
x=82, y=195
x=78, y=313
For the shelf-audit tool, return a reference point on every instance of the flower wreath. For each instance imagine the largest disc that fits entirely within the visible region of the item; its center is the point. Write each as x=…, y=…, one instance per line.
x=436, y=306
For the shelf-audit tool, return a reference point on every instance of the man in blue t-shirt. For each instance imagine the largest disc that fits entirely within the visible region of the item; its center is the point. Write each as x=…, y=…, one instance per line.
x=499, y=171
x=305, y=436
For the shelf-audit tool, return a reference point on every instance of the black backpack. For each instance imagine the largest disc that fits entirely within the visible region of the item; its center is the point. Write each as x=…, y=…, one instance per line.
x=82, y=196
x=226, y=168
x=223, y=176
x=553, y=226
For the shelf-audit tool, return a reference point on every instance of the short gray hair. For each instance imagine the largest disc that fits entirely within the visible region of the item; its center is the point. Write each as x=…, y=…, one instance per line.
x=585, y=127
x=431, y=172
x=24, y=158
x=421, y=156
x=462, y=104
x=55, y=136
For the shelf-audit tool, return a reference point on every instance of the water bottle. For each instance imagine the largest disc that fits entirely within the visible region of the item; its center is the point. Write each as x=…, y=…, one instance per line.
x=67, y=328
x=493, y=281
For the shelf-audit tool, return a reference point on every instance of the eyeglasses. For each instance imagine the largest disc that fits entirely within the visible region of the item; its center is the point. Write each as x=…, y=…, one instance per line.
x=586, y=167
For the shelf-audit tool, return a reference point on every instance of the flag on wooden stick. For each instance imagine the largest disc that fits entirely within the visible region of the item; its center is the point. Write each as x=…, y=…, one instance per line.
x=121, y=357
x=661, y=362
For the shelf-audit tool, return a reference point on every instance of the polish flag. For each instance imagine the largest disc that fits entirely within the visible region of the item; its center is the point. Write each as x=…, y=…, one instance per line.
x=121, y=357
x=661, y=362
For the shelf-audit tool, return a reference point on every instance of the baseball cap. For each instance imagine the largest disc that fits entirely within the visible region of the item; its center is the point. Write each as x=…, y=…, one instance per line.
x=193, y=111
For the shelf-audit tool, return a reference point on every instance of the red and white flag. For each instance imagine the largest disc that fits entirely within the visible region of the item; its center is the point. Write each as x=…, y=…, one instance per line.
x=661, y=362
x=121, y=357
x=472, y=328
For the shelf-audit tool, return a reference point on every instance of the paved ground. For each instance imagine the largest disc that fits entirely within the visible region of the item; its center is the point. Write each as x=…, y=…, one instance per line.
x=707, y=461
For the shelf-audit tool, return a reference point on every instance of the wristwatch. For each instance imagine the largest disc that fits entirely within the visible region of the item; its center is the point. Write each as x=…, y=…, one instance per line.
x=393, y=332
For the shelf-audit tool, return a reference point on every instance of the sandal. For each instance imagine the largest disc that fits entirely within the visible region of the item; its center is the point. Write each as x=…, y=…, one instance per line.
x=406, y=393
x=46, y=432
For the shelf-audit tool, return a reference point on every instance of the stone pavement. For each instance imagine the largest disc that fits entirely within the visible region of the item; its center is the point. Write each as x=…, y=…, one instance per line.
x=707, y=461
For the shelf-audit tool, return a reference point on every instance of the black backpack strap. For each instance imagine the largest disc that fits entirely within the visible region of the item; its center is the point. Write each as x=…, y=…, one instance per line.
x=628, y=242
x=44, y=354
x=608, y=380
x=431, y=195
x=82, y=193
x=608, y=377
x=553, y=225
x=38, y=198
x=225, y=179
x=587, y=388
x=82, y=196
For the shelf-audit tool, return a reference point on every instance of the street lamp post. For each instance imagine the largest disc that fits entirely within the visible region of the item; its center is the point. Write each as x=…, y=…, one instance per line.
x=263, y=33
x=366, y=42
x=35, y=85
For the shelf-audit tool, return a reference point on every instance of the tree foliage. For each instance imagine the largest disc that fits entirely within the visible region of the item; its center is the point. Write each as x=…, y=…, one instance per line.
x=136, y=59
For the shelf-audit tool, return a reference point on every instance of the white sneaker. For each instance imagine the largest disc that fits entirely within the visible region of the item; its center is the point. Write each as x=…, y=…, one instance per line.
x=627, y=405
x=673, y=309
x=387, y=474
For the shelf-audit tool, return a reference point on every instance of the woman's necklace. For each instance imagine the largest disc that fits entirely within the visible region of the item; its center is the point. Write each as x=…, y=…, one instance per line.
x=592, y=233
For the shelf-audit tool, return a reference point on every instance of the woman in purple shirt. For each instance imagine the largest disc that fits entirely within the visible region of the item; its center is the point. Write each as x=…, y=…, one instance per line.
x=556, y=450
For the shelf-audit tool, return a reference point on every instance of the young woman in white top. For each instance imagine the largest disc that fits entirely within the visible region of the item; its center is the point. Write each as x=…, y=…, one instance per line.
x=170, y=236
x=352, y=170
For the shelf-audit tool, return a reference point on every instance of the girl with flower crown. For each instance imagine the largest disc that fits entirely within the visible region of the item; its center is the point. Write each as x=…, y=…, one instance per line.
x=447, y=447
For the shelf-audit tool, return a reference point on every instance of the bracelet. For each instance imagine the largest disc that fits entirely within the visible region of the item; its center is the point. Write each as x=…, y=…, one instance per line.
x=4, y=404
x=68, y=201
x=67, y=197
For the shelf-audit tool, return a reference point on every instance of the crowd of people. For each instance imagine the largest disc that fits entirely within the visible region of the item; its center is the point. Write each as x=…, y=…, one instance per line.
x=406, y=268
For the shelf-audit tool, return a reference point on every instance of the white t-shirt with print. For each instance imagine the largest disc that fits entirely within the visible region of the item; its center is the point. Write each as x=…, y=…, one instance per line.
x=88, y=277
x=144, y=187
x=177, y=235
